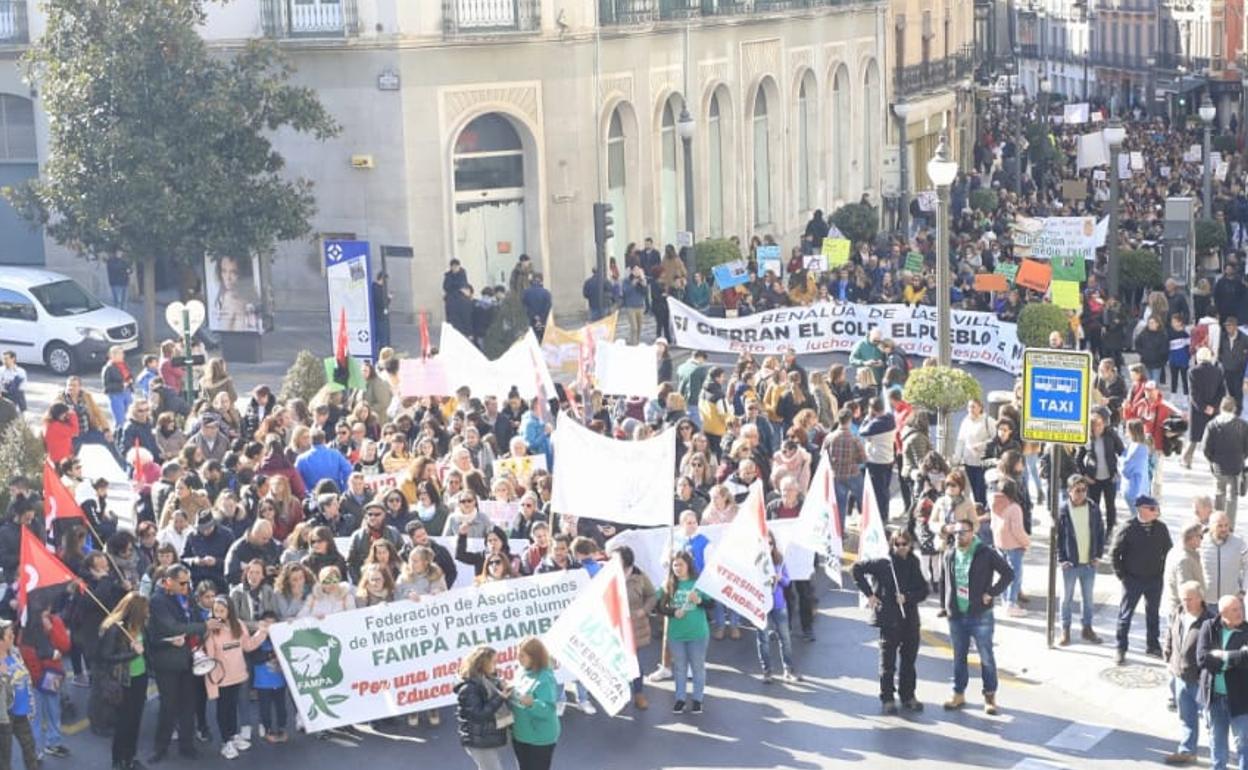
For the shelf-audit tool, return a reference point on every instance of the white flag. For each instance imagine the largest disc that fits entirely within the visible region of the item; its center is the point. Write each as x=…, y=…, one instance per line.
x=619, y=481
x=1092, y=151
x=739, y=573
x=1075, y=113
x=872, y=539
x=523, y=366
x=819, y=523
x=593, y=638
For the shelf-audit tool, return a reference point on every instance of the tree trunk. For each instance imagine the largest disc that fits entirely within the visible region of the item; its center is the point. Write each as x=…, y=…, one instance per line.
x=149, y=341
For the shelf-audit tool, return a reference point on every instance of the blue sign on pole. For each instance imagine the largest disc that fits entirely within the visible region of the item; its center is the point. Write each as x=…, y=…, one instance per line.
x=347, y=275
x=1057, y=387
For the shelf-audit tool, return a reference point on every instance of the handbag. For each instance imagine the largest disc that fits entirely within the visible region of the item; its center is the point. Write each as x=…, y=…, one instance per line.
x=51, y=681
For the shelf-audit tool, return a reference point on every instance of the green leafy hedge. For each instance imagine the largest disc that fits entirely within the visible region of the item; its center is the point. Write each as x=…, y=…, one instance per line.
x=21, y=454
x=712, y=252
x=1141, y=269
x=1037, y=321
x=857, y=221
x=304, y=378
x=1210, y=235
x=984, y=200
x=941, y=388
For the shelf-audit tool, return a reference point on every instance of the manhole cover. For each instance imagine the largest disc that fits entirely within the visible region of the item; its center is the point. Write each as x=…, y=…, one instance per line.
x=1135, y=677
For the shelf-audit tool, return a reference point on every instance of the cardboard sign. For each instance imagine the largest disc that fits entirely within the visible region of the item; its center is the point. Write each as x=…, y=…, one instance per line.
x=914, y=262
x=991, y=282
x=729, y=274
x=816, y=263
x=1068, y=267
x=836, y=250
x=1066, y=295
x=1007, y=269
x=927, y=200
x=769, y=260
x=1034, y=275
x=1074, y=190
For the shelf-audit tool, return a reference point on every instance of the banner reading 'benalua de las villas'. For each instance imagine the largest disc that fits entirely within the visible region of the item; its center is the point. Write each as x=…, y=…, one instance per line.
x=830, y=327
x=397, y=658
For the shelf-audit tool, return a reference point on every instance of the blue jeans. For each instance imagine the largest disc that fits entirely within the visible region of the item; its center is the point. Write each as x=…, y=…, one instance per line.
x=961, y=631
x=1085, y=575
x=1187, y=698
x=1156, y=375
x=272, y=708
x=778, y=624
x=724, y=618
x=118, y=404
x=46, y=721
x=120, y=294
x=1133, y=589
x=843, y=489
x=1031, y=470
x=689, y=658
x=1015, y=557
x=1221, y=724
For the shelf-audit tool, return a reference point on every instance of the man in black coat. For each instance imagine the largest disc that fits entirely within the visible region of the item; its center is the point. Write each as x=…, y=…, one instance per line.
x=1138, y=555
x=1228, y=293
x=1208, y=389
x=1180, y=653
x=170, y=636
x=969, y=569
x=1226, y=448
x=205, y=551
x=894, y=588
x=1222, y=652
x=1233, y=355
x=417, y=535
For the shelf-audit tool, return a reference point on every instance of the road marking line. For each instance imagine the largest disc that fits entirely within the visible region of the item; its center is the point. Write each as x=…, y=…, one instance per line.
x=1077, y=737
x=972, y=659
x=1031, y=763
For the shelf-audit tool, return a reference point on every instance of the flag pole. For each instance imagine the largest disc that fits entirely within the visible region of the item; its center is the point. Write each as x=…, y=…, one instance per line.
x=83, y=587
x=103, y=547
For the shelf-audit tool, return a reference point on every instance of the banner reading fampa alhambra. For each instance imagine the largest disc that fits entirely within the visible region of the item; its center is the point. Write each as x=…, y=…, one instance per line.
x=830, y=327
x=397, y=658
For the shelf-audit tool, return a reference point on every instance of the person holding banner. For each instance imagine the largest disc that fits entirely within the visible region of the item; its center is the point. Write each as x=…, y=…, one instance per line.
x=121, y=653
x=481, y=714
x=895, y=587
x=777, y=622
x=533, y=701
x=688, y=632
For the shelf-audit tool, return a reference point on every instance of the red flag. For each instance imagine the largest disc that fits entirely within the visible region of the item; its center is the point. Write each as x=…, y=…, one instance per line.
x=138, y=461
x=58, y=503
x=39, y=568
x=340, y=349
x=615, y=598
x=424, y=334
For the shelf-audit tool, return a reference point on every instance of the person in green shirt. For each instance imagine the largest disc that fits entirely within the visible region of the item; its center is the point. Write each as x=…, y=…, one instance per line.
x=1222, y=653
x=534, y=696
x=688, y=631
x=121, y=656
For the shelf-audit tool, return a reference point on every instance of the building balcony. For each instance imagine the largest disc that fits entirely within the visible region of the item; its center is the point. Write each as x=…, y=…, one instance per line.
x=489, y=17
x=624, y=12
x=14, y=29
x=309, y=18
x=931, y=76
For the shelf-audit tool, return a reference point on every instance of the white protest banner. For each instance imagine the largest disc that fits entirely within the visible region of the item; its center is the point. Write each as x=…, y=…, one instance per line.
x=1101, y=232
x=1075, y=113
x=626, y=482
x=562, y=347
x=1055, y=237
x=872, y=540
x=1163, y=171
x=593, y=639
x=522, y=366
x=419, y=377
x=402, y=657
x=1092, y=151
x=978, y=337
x=1124, y=167
x=927, y=200
x=1137, y=160
x=626, y=370
x=739, y=573
x=815, y=262
x=99, y=463
x=501, y=513
x=819, y=523
x=382, y=483
x=1194, y=154
x=1099, y=175
x=650, y=547
x=1221, y=169
x=1215, y=157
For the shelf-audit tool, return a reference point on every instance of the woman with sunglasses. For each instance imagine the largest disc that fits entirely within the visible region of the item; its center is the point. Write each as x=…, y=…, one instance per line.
x=330, y=594
x=467, y=512
x=323, y=552
x=894, y=587
x=496, y=545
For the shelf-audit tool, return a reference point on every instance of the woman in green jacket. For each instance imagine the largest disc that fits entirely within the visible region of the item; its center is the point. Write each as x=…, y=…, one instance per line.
x=688, y=631
x=533, y=699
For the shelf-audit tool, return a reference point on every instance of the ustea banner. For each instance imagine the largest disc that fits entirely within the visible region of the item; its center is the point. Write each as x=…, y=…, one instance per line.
x=831, y=327
x=398, y=658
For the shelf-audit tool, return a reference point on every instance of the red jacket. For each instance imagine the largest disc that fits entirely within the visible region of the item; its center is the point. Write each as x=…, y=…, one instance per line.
x=59, y=438
x=59, y=638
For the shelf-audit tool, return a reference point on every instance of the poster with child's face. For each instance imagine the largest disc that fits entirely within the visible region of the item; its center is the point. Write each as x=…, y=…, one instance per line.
x=232, y=291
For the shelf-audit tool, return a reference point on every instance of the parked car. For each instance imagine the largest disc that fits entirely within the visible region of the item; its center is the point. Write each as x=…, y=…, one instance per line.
x=49, y=318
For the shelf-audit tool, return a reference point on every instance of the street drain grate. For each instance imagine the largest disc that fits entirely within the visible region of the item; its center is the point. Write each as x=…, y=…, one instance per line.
x=1135, y=677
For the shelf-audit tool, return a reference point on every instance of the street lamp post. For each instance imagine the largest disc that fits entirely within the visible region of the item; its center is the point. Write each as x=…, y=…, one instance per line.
x=902, y=111
x=1046, y=87
x=1114, y=136
x=686, y=127
x=1207, y=113
x=1149, y=92
x=942, y=170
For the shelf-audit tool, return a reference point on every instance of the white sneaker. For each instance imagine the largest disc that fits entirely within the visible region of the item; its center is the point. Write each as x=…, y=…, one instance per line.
x=662, y=673
x=244, y=732
x=242, y=744
x=413, y=720
x=587, y=708
x=228, y=751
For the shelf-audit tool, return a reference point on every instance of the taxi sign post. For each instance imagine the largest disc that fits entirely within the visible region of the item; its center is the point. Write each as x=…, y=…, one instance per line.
x=1057, y=388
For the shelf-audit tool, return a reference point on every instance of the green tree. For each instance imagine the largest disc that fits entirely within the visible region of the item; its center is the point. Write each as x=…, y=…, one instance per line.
x=943, y=390
x=21, y=454
x=1209, y=235
x=714, y=251
x=304, y=377
x=158, y=146
x=857, y=221
x=1038, y=320
x=1141, y=269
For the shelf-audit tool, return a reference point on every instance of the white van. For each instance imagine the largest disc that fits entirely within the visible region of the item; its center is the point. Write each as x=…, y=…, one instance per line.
x=49, y=318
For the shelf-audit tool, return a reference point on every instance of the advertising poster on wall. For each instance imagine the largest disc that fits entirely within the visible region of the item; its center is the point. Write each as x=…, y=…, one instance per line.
x=232, y=290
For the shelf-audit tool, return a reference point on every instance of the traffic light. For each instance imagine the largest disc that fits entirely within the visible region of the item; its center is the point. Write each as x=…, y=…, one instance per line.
x=602, y=224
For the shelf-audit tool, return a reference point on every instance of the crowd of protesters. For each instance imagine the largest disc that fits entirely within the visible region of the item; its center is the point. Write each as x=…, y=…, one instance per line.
x=242, y=502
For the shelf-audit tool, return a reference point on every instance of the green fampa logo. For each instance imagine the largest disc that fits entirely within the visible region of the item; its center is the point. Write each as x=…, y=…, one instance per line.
x=313, y=657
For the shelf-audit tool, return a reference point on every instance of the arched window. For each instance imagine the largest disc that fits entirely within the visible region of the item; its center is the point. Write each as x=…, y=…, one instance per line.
x=617, y=182
x=807, y=154
x=491, y=223
x=762, y=162
x=488, y=155
x=669, y=174
x=870, y=134
x=715, y=160
x=841, y=128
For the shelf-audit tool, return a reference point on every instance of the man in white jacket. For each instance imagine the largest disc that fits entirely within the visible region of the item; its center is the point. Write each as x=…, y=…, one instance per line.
x=1224, y=557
